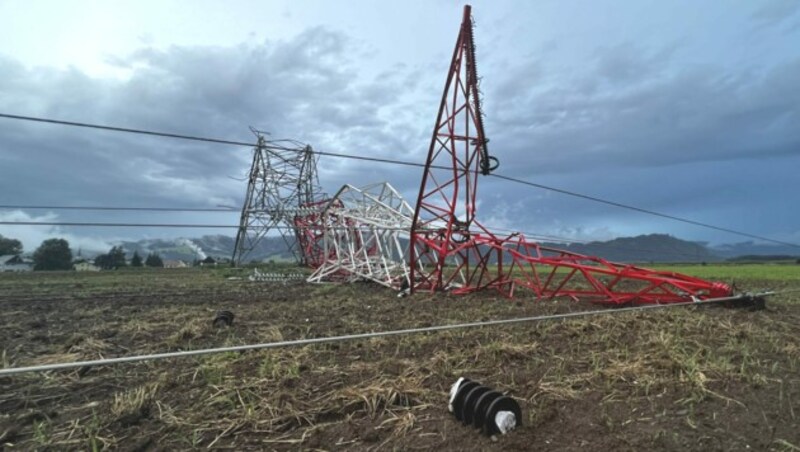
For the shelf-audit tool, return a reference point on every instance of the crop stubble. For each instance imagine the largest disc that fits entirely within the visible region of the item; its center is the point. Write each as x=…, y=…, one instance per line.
x=698, y=378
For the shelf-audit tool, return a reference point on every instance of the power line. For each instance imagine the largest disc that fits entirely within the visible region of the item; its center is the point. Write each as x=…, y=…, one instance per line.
x=543, y=237
x=352, y=337
x=642, y=210
x=113, y=225
x=131, y=209
x=125, y=129
x=153, y=225
x=550, y=238
x=555, y=239
x=203, y=139
x=403, y=163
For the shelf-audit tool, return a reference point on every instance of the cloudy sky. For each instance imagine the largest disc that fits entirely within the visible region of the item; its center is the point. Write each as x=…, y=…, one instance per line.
x=683, y=107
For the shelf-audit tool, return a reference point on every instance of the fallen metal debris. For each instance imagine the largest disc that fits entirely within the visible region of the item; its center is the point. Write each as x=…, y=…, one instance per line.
x=283, y=278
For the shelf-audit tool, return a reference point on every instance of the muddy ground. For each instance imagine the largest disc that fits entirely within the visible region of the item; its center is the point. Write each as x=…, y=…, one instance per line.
x=698, y=378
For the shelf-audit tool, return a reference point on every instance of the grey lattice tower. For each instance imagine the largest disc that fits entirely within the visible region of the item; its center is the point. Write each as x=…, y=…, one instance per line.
x=283, y=177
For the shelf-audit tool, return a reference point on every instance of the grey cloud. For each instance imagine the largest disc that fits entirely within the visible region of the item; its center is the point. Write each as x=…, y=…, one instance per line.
x=626, y=64
x=626, y=125
x=304, y=88
x=773, y=12
x=750, y=195
x=664, y=118
x=697, y=141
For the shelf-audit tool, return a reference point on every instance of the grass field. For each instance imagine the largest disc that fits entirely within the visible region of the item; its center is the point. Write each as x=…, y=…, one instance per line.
x=699, y=378
x=736, y=272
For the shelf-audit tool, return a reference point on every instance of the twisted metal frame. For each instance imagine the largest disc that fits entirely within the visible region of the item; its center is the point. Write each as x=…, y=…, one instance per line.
x=365, y=236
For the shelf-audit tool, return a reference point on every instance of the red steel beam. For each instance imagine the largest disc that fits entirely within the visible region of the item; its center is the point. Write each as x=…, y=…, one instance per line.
x=451, y=250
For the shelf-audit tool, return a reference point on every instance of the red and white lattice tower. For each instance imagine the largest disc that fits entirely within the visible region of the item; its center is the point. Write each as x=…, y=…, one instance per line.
x=444, y=251
x=309, y=224
x=451, y=250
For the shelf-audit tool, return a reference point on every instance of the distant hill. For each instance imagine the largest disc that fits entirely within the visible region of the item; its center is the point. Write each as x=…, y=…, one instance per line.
x=646, y=248
x=639, y=249
x=216, y=246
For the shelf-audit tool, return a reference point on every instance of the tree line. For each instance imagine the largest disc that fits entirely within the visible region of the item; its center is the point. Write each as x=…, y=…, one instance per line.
x=115, y=258
x=55, y=254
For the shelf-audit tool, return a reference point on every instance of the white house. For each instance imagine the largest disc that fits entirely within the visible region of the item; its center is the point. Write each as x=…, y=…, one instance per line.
x=85, y=267
x=14, y=263
x=175, y=264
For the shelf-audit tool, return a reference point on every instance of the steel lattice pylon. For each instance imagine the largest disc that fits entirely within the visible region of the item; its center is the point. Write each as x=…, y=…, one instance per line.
x=310, y=223
x=365, y=236
x=283, y=179
x=451, y=250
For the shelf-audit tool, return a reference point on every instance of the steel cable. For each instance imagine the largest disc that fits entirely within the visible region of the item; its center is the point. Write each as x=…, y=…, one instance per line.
x=403, y=163
x=351, y=337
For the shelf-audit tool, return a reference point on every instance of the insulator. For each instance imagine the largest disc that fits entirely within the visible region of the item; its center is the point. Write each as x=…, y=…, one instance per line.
x=470, y=401
x=488, y=410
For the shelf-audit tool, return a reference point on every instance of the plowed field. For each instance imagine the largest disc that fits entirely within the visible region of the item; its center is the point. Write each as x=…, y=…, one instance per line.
x=698, y=378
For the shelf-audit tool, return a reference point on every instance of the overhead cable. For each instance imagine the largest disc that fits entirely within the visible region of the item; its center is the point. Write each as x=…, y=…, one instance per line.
x=642, y=210
x=114, y=208
x=551, y=238
x=352, y=337
x=404, y=163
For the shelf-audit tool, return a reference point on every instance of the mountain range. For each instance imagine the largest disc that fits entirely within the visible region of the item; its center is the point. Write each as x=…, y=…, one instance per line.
x=642, y=248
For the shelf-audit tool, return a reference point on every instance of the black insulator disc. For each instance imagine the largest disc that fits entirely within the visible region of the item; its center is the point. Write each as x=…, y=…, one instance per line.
x=504, y=403
x=461, y=394
x=468, y=411
x=482, y=406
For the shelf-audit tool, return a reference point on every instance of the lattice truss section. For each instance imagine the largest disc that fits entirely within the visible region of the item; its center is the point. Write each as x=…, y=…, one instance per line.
x=451, y=250
x=365, y=236
x=311, y=224
x=282, y=184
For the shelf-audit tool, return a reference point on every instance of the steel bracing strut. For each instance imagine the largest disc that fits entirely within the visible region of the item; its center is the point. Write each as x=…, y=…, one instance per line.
x=451, y=250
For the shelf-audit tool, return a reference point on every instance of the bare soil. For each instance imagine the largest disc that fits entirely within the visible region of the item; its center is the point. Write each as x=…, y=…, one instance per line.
x=698, y=378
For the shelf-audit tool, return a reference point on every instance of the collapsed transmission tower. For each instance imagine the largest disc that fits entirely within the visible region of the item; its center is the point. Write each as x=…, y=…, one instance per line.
x=451, y=250
x=309, y=223
x=283, y=179
x=365, y=237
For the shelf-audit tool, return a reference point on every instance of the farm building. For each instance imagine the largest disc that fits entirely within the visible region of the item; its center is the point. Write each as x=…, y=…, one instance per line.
x=175, y=264
x=85, y=267
x=14, y=263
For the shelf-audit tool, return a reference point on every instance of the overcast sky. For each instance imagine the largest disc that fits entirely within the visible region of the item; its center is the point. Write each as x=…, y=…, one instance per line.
x=684, y=107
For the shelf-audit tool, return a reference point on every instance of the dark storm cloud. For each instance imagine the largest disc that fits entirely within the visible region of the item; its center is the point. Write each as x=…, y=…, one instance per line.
x=303, y=88
x=633, y=126
x=629, y=124
x=634, y=115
